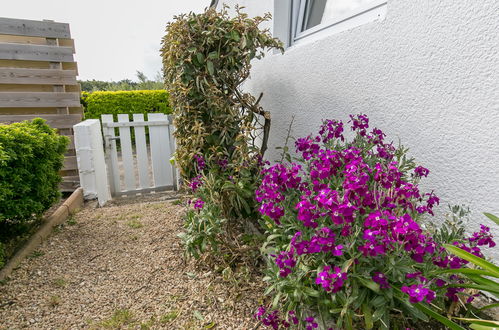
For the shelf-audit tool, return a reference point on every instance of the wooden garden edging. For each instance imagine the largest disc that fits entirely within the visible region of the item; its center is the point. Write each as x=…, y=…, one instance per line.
x=74, y=202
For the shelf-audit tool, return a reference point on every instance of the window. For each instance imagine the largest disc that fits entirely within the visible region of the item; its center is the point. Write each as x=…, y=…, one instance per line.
x=316, y=17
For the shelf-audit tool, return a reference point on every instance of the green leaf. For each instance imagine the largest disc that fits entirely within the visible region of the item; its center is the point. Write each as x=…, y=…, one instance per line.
x=482, y=327
x=465, y=271
x=209, y=66
x=276, y=300
x=492, y=217
x=213, y=55
x=442, y=319
x=370, y=284
x=311, y=292
x=489, y=306
x=366, y=310
x=200, y=58
x=488, y=323
x=235, y=35
x=474, y=259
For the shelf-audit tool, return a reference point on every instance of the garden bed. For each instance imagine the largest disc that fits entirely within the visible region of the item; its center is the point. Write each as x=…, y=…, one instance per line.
x=123, y=266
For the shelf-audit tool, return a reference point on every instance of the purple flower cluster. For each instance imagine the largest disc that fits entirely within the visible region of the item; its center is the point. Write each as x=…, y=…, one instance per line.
x=200, y=162
x=331, y=281
x=195, y=183
x=482, y=238
x=357, y=198
x=331, y=129
x=418, y=293
x=198, y=204
x=272, y=319
x=420, y=171
x=380, y=278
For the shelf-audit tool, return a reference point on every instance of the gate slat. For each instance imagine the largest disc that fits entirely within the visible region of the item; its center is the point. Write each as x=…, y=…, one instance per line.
x=126, y=152
x=142, y=158
x=112, y=155
x=160, y=151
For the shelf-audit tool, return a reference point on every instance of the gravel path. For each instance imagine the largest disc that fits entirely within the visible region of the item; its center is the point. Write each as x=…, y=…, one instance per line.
x=122, y=267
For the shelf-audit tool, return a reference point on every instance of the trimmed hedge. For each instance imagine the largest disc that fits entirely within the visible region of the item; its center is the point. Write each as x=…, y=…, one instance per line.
x=98, y=103
x=31, y=156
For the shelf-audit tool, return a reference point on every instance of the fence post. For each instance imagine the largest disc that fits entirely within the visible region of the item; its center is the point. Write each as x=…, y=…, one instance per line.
x=91, y=160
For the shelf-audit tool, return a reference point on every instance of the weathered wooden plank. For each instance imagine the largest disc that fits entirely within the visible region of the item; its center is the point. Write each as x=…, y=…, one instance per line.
x=160, y=151
x=42, y=100
x=70, y=163
x=111, y=155
x=69, y=183
x=36, y=41
x=126, y=153
x=55, y=121
x=141, y=147
x=23, y=27
x=27, y=52
x=37, y=76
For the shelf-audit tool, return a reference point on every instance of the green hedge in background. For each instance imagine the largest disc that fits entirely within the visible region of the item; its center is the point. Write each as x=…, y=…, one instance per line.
x=31, y=156
x=99, y=103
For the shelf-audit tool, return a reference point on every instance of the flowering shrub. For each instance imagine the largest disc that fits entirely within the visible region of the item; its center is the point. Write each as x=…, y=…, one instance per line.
x=345, y=238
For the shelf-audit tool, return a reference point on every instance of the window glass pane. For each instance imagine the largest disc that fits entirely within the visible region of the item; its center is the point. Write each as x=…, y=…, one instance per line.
x=322, y=11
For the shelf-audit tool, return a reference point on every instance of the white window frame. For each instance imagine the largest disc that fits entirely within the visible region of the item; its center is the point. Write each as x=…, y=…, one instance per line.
x=372, y=11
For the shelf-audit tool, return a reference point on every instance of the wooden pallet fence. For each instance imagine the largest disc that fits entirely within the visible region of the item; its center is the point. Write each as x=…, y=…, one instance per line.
x=38, y=79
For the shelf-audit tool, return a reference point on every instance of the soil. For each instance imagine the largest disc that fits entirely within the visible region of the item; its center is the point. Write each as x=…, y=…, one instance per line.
x=123, y=266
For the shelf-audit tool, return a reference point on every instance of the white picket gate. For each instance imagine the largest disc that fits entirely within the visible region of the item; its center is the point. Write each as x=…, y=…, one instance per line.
x=140, y=172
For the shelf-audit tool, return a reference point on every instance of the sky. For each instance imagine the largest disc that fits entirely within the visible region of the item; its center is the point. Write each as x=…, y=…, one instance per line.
x=113, y=38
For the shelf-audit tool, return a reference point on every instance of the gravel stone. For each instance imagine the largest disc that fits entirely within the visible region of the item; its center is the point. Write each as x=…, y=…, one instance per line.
x=107, y=272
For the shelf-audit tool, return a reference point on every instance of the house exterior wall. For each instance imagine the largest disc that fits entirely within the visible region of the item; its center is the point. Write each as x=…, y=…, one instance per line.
x=428, y=74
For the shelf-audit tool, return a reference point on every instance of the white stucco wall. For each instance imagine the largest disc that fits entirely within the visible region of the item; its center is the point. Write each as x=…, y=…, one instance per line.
x=428, y=75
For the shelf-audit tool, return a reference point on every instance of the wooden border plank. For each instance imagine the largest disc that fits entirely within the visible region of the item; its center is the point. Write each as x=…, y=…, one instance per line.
x=55, y=121
x=24, y=27
x=27, y=52
x=37, y=76
x=38, y=100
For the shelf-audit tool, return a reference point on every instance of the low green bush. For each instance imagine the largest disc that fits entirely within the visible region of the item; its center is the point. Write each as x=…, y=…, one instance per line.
x=99, y=103
x=31, y=156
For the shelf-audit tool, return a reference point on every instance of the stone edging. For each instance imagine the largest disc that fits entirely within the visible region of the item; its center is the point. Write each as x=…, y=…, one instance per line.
x=74, y=202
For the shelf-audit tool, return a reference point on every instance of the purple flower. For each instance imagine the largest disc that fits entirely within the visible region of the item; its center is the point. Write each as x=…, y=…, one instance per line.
x=420, y=171
x=200, y=163
x=380, y=278
x=360, y=123
x=331, y=281
x=331, y=129
x=418, y=293
x=195, y=183
x=285, y=261
x=310, y=323
x=483, y=237
x=198, y=205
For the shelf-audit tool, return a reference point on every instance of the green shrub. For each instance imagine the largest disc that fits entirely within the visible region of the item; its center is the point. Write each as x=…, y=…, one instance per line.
x=31, y=156
x=99, y=103
x=206, y=58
